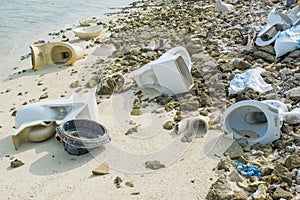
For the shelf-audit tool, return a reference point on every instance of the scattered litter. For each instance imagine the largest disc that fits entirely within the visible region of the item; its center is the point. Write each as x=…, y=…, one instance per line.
x=61, y=54
x=37, y=122
x=254, y=121
x=287, y=41
x=222, y=7
x=193, y=125
x=80, y=135
x=249, y=79
x=101, y=170
x=169, y=74
x=89, y=32
x=16, y=163
x=247, y=170
x=154, y=165
x=131, y=130
x=135, y=193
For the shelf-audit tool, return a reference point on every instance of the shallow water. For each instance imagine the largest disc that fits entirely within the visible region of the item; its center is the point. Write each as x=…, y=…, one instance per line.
x=25, y=21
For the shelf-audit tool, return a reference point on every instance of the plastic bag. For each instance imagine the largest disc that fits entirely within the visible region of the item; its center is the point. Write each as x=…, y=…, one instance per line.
x=287, y=41
x=250, y=79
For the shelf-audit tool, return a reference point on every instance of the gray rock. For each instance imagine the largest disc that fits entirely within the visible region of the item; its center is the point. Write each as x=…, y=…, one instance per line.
x=265, y=56
x=292, y=162
x=240, y=64
x=234, y=151
x=281, y=193
x=234, y=176
x=154, y=165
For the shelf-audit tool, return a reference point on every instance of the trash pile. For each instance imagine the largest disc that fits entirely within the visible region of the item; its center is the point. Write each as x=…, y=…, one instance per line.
x=214, y=69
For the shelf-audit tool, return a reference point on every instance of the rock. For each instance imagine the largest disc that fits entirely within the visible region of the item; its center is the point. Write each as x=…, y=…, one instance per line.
x=264, y=55
x=131, y=130
x=169, y=125
x=74, y=84
x=91, y=83
x=219, y=190
x=260, y=193
x=101, y=170
x=292, y=162
x=281, y=170
x=118, y=181
x=190, y=105
x=223, y=165
x=16, y=163
x=240, y=64
x=129, y=184
x=154, y=165
x=136, y=112
x=234, y=151
x=234, y=176
x=170, y=106
x=43, y=96
x=265, y=170
x=281, y=193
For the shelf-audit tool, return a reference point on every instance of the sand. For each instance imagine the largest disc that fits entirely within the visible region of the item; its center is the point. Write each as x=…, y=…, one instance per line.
x=50, y=172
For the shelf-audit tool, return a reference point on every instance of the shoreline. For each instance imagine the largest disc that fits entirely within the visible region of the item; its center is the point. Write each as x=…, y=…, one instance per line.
x=189, y=169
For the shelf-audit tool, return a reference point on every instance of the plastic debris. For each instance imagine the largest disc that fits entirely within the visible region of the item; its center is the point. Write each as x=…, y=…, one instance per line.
x=287, y=41
x=249, y=79
x=247, y=170
x=222, y=7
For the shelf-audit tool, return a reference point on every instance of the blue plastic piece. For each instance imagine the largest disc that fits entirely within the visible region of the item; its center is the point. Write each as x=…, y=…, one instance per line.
x=247, y=170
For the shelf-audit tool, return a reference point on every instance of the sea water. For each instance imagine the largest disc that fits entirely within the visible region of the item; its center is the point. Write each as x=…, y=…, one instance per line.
x=24, y=21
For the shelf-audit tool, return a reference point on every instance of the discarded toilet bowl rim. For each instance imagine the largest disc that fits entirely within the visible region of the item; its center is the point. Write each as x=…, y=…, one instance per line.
x=88, y=32
x=99, y=133
x=273, y=36
x=270, y=129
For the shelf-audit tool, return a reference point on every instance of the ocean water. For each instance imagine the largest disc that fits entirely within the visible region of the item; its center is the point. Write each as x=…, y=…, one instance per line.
x=24, y=21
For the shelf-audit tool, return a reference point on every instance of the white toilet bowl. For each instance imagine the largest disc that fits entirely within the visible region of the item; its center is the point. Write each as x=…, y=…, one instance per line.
x=53, y=54
x=37, y=122
x=255, y=121
x=169, y=74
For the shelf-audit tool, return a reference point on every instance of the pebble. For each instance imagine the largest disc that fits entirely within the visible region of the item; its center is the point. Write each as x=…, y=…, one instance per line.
x=154, y=165
x=16, y=163
x=101, y=170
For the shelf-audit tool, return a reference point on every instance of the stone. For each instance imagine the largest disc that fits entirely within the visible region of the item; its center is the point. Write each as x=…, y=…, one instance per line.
x=43, y=96
x=219, y=190
x=240, y=64
x=131, y=130
x=74, y=84
x=169, y=125
x=260, y=193
x=265, y=56
x=223, y=165
x=292, y=162
x=129, y=184
x=281, y=193
x=234, y=151
x=136, y=112
x=16, y=163
x=154, y=165
x=101, y=170
x=281, y=170
x=234, y=176
x=118, y=181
